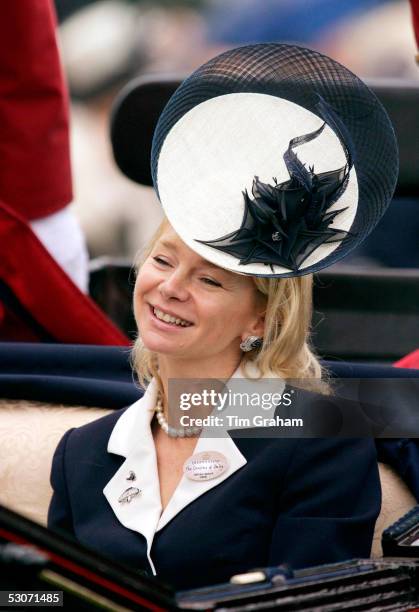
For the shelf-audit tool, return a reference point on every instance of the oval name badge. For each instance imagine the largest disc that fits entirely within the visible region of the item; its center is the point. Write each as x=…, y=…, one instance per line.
x=205, y=466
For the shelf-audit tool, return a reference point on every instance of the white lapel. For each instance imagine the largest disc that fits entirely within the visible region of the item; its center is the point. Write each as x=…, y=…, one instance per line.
x=132, y=438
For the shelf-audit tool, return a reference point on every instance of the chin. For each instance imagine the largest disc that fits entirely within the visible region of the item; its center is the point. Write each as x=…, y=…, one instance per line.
x=153, y=342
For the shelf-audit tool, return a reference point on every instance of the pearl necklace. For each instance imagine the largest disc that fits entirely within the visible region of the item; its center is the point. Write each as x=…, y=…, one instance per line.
x=183, y=432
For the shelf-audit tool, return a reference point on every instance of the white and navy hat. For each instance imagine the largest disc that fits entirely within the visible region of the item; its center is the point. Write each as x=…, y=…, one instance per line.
x=273, y=160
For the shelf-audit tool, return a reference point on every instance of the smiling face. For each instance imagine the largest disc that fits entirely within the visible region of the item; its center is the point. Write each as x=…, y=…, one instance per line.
x=189, y=309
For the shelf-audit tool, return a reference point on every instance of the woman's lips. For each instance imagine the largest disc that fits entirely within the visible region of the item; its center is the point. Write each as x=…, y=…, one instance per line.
x=164, y=324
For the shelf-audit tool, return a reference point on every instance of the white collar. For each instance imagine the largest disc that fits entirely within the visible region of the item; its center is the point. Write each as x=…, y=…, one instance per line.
x=132, y=438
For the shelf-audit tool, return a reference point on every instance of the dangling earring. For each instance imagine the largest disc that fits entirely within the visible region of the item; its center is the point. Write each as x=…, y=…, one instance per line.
x=250, y=343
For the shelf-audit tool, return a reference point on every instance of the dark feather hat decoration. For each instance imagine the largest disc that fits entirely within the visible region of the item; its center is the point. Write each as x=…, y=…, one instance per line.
x=285, y=222
x=274, y=160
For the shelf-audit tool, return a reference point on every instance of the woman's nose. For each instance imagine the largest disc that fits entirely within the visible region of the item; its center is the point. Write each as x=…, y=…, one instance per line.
x=174, y=287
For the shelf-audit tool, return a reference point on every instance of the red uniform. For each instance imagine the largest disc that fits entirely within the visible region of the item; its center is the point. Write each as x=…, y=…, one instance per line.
x=409, y=361
x=415, y=16
x=35, y=176
x=38, y=301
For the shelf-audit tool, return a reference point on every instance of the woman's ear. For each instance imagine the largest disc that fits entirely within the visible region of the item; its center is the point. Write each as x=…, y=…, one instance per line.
x=260, y=325
x=256, y=327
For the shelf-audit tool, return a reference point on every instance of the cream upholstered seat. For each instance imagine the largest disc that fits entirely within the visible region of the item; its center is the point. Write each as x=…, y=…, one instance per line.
x=29, y=434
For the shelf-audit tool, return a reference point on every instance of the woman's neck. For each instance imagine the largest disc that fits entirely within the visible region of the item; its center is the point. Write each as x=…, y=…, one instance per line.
x=170, y=368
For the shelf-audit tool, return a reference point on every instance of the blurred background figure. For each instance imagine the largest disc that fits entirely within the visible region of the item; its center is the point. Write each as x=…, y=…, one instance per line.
x=104, y=44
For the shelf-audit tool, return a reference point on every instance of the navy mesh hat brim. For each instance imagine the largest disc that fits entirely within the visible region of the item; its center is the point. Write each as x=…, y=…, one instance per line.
x=300, y=76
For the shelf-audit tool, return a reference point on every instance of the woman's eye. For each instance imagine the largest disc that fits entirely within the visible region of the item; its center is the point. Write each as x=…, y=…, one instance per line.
x=161, y=261
x=210, y=281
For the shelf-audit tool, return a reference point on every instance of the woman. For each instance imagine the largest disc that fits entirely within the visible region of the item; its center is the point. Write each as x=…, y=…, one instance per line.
x=225, y=292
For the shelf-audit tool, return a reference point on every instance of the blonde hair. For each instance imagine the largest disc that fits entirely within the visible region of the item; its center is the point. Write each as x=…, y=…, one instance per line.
x=285, y=351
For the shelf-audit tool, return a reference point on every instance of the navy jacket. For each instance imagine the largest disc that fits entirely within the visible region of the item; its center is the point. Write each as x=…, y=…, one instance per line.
x=297, y=501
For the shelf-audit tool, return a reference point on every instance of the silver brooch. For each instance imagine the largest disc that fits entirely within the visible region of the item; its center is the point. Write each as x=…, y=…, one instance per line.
x=128, y=495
